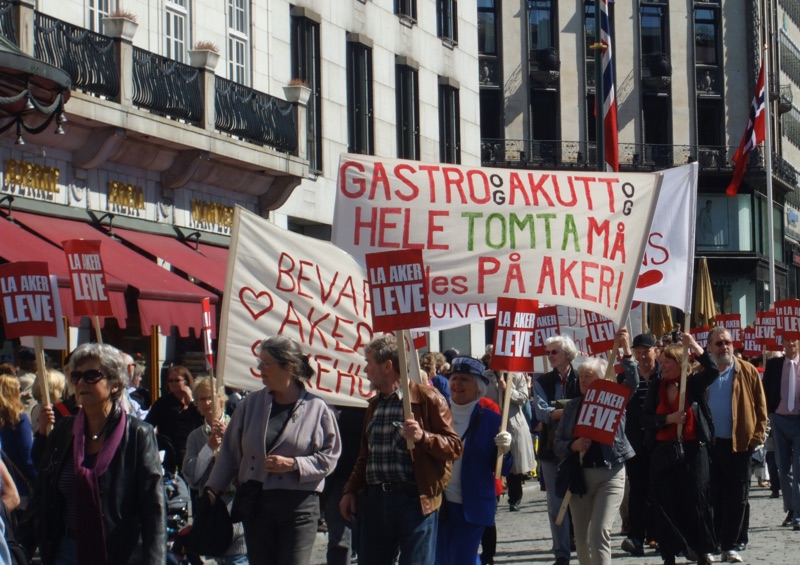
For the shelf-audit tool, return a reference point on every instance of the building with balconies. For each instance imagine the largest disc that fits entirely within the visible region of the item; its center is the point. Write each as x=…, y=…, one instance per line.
x=176, y=111
x=685, y=74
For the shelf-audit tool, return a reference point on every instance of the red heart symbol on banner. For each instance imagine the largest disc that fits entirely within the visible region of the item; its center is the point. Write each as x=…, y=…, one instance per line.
x=253, y=348
x=649, y=279
x=256, y=314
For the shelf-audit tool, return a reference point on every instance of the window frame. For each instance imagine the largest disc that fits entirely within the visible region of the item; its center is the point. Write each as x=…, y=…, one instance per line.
x=406, y=9
x=447, y=20
x=95, y=15
x=238, y=70
x=449, y=124
x=407, y=106
x=360, y=102
x=307, y=65
x=176, y=48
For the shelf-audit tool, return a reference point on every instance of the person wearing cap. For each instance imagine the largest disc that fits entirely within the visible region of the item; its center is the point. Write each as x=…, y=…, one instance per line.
x=637, y=467
x=469, y=504
x=399, y=509
x=560, y=384
x=603, y=465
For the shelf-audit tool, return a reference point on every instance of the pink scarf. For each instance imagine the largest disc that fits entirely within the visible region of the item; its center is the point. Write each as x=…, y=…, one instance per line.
x=89, y=533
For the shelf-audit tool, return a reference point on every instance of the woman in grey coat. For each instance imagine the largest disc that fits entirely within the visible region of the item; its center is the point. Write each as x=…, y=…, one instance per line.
x=603, y=466
x=521, y=441
x=202, y=447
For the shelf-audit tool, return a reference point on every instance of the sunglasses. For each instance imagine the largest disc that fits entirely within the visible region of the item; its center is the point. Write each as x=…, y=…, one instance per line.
x=90, y=377
x=723, y=342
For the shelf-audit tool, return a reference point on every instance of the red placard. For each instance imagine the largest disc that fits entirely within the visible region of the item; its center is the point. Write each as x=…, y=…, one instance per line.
x=399, y=290
x=27, y=299
x=513, y=334
x=765, y=336
x=732, y=323
x=546, y=326
x=601, y=411
x=88, y=280
x=751, y=348
x=700, y=335
x=420, y=339
x=787, y=313
x=601, y=333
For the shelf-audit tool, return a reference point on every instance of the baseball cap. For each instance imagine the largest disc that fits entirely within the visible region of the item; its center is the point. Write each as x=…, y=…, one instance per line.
x=469, y=366
x=644, y=340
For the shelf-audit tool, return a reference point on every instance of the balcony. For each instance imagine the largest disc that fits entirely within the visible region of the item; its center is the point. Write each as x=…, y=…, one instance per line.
x=133, y=107
x=566, y=155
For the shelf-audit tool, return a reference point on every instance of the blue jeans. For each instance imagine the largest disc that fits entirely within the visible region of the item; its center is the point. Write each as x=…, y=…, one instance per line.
x=235, y=560
x=560, y=533
x=392, y=522
x=786, y=436
x=67, y=552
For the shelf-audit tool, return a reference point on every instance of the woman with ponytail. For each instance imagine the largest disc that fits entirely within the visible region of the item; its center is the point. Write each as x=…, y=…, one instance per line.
x=281, y=443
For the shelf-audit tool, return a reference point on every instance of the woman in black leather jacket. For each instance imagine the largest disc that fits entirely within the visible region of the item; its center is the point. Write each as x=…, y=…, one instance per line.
x=680, y=489
x=99, y=497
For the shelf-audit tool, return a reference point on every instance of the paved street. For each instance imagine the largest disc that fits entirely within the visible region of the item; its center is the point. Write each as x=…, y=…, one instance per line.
x=524, y=537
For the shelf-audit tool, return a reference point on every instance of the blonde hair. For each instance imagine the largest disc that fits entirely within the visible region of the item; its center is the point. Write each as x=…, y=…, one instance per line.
x=56, y=384
x=203, y=384
x=10, y=404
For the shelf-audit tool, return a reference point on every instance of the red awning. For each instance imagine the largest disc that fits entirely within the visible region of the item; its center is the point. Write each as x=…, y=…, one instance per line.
x=165, y=299
x=18, y=244
x=179, y=255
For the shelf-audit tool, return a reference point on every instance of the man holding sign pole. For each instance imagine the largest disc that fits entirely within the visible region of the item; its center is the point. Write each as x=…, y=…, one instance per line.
x=593, y=427
x=402, y=490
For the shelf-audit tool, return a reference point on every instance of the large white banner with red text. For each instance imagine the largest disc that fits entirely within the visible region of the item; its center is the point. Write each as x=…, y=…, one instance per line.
x=575, y=239
x=285, y=283
x=668, y=263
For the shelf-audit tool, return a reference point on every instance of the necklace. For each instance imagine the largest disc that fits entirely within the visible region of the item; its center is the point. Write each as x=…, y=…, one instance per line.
x=102, y=431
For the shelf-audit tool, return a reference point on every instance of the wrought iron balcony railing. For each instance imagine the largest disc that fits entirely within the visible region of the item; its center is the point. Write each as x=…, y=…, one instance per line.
x=107, y=67
x=86, y=56
x=533, y=154
x=7, y=21
x=166, y=87
x=254, y=116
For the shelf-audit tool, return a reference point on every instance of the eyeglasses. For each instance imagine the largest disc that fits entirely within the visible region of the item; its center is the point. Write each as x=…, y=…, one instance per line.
x=723, y=342
x=553, y=352
x=90, y=377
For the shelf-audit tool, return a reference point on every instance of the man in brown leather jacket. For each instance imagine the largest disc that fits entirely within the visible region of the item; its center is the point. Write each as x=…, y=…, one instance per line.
x=402, y=489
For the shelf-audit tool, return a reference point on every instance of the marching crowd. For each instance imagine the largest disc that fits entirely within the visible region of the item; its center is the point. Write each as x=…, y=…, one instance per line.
x=82, y=477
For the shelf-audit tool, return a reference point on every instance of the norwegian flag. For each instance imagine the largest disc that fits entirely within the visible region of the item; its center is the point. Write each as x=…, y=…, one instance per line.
x=207, y=334
x=611, y=150
x=753, y=135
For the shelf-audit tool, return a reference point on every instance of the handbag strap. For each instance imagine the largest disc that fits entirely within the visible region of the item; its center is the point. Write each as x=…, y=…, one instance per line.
x=16, y=471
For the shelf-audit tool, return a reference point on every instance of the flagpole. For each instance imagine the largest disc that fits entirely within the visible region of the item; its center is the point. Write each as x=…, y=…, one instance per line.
x=598, y=89
x=768, y=157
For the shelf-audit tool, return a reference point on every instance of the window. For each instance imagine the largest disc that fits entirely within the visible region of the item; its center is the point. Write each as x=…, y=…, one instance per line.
x=710, y=123
x=540, y=24
x=98, y=9
x=360, y=138
x=177, y=16
x=238, y=30
x=306, y=66
x=407, y=8
x=544, y=115
x=653, y=28
x=407, y=102
x=589, y=29
x=449, y=125
x=706, y=35
x=447, y=19
x=487, y=27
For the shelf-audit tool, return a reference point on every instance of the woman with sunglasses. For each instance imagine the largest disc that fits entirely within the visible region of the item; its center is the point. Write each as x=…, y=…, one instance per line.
x=680, y=496
x=174, y=415
x=99, y=497
x=281, y=443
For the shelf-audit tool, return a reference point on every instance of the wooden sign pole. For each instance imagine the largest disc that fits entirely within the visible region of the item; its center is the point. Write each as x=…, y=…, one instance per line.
x=401, y=357
x=504, y=420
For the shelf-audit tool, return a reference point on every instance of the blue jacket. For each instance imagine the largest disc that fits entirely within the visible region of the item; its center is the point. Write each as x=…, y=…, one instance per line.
x=478, y=465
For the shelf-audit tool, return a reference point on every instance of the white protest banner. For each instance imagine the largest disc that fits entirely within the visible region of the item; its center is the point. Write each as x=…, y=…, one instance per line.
x=280, y=282
x=668, y=263
x=560, y=237
x=601, y=411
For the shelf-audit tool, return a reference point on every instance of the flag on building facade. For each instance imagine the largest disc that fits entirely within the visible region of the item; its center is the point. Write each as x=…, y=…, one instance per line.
x=611, y=149
x=753, y=135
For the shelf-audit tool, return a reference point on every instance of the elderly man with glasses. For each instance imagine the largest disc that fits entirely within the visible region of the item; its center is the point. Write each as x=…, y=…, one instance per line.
x=560, y=384
x=739, y=411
